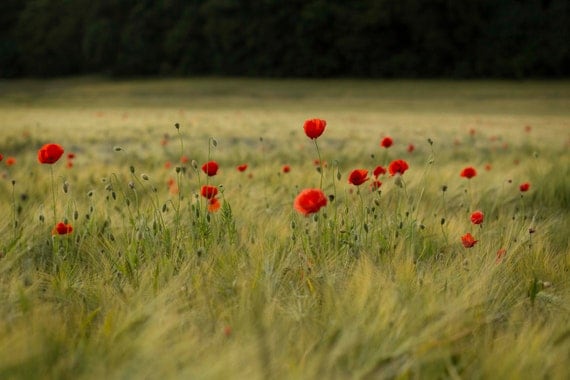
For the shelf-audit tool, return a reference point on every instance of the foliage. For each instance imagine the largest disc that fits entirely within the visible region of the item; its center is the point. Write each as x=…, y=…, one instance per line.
x=315, y=38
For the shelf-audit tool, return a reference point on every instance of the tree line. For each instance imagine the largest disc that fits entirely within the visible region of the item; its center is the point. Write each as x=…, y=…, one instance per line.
x=293, y=38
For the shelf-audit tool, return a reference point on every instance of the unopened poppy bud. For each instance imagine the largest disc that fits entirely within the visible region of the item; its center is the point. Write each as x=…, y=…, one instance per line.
x=194, y=164
x=90, y=193
x=117, y=148
x=132, y=169
x=144, y=176
x=214, y=142
x=430, y=141
x=65, y=187
x=132, y=185
x=177, y=126
x=444, y=188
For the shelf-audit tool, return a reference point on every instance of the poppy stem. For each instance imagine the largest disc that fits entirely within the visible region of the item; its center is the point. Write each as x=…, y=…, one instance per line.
x=321, y=170
x=14, y=210
x=53, y=195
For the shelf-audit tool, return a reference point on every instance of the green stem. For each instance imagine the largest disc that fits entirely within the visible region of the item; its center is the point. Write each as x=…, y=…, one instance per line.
x=14, y=211
x=320, y=163
x=53, y=196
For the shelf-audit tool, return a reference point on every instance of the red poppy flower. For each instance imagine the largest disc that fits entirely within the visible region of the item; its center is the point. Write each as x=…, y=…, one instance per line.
x=10, y=161
x=314, y=128
x=378, y=171
x=527, y=128
x=1, y=157
x=62, y=229
x=242, y=167
x=524, y=187
x=167, y=165
x=488, y=167
x=316, y=162
x=375, y=185
x=386, y=142
x=477, y=217
x=209, y=192
x=210, y=168
x=411, y=148
x=71, y=156
x=286, y=169
x=469, y=172
x=69, y=164
x=214, y=205
x=49, y=153
x=358, y=176
x=310, y=201
x=184, y=159
x=468, y=240
x=398, y=166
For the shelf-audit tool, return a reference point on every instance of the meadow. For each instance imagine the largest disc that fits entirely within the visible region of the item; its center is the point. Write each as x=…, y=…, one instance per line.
x=147, y=279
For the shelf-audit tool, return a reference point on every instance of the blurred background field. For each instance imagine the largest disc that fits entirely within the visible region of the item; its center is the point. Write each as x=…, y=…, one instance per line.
x=273, y=107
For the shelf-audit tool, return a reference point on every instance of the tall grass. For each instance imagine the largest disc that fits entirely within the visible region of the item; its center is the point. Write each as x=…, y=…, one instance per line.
x=375, y=285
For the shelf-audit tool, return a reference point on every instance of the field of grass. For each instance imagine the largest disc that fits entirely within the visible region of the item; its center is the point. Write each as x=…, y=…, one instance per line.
x=377, y=284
